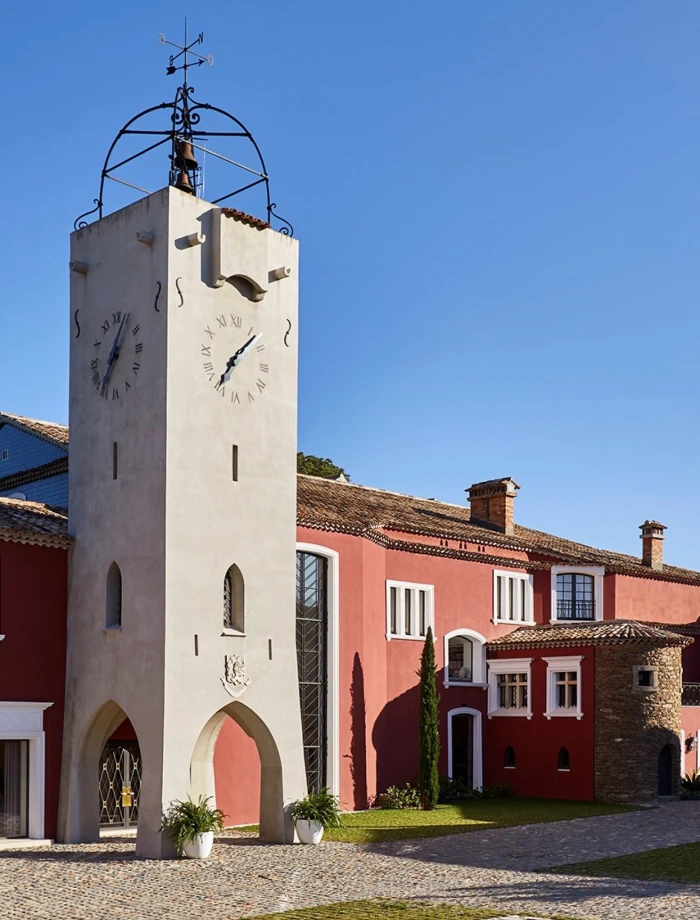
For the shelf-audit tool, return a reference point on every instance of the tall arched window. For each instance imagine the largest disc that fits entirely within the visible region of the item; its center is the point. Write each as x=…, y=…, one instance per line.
x=234, y=600
x=575, y=596
x=563, y=760
x=509, y=758
x=113, y=614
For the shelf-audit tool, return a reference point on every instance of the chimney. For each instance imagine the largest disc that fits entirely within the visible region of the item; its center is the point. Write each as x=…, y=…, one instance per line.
x=652, y=544
x=491, y=503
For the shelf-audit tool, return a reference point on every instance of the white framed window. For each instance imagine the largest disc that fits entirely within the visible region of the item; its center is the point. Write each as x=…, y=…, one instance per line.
x=510, y=687
x=646, y=678
x=512, y=597
x=409, y=610
x=564, y=686
x=465, y=658
x=577, y=593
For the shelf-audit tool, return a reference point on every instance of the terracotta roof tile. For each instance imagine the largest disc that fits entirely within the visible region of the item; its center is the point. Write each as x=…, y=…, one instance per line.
x=31, y=522
x=48, y=431
x=607, y=632
x=24, y=477
x=246, y=218
x=326, y=504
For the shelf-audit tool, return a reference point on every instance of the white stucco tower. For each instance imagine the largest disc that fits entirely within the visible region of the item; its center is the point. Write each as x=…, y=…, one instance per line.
x=183, y=401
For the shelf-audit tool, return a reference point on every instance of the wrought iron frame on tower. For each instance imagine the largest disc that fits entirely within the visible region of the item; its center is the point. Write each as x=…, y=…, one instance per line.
x=185, y=135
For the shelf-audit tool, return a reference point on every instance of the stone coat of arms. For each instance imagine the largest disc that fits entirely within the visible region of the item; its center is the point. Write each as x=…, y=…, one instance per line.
x=234, y=680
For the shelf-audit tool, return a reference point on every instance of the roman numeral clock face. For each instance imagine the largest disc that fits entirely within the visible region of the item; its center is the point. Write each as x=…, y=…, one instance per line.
x=116, y=355
x=233, y=359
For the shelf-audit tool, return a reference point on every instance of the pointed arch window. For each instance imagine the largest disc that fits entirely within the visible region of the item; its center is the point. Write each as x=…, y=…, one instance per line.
x=563, y=759
x=234, y=601
x=113, y=613
x=509, y=758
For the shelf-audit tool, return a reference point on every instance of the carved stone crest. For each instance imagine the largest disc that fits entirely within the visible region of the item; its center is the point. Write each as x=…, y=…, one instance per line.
x=234, y=680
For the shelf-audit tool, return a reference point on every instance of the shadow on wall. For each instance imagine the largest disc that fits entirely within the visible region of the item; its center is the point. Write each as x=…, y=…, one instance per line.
x=395, y=739
x=358, y=735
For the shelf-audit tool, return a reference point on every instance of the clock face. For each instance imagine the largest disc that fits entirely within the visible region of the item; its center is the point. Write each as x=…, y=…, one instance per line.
x=233, y=359
x=116, y=355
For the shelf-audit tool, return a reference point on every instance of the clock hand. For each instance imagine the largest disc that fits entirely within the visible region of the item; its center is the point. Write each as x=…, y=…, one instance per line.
x=236, y=359
x=114, y=353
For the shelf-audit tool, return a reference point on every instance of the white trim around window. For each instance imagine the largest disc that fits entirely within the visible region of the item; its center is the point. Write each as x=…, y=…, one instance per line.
x=597, y=571
x=478, y=665
x=333, y=700
x=568, y=664
x=512, y=597
x=409, y=610
x=510, y=666
x=477, y=762
x=25, y=722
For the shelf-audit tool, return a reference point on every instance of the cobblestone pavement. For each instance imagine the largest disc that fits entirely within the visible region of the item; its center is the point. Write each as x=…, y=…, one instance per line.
x=244, y=877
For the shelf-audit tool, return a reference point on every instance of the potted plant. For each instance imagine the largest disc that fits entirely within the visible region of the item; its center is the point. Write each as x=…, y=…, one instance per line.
x=191, y=825
x=314, y=813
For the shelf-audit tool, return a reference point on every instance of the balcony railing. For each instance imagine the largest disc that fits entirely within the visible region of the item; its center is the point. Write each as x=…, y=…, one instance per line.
x=691, y=695
x=575, y=610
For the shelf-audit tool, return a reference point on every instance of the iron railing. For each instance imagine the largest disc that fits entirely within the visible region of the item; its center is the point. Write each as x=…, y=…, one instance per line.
x=690, y=695
x=575, y=609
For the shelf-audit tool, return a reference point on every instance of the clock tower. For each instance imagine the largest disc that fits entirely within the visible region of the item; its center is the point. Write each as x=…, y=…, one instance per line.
x=183, y=416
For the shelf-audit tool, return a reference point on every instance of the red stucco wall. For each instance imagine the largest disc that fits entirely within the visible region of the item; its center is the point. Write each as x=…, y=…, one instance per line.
x=33, y=597
x=656, y=601
x=537, y=741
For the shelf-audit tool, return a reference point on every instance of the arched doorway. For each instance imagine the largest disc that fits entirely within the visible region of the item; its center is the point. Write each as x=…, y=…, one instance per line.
x=274, y=825
x=464, y=746
x=81, y=821
x=666, y=770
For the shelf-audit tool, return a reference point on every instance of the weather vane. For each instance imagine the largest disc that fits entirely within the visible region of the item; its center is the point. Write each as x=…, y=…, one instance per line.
x=184, y=50
x=185, y=136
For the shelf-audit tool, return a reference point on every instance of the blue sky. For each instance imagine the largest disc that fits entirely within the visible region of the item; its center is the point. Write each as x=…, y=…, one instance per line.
x=497, y=204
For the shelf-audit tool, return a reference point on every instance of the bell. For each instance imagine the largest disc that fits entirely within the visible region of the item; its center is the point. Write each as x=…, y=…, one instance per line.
x=183, y=182
x=184, y=156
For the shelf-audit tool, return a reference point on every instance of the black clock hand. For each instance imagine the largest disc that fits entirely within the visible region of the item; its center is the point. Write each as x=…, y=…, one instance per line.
x=236, y=359
x=114, y=353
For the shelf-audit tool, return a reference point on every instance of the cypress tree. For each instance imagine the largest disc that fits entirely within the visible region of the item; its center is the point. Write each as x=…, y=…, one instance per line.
x=429, y=779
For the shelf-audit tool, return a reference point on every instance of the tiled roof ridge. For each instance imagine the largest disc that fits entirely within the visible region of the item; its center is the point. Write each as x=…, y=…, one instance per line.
x=52, y=432
x=244, y=218
x=601, y=632
x=357, y=485
x=34, y=474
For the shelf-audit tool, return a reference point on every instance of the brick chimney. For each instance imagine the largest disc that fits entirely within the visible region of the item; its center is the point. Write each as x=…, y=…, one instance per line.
x=491, y=503
x=653, y=544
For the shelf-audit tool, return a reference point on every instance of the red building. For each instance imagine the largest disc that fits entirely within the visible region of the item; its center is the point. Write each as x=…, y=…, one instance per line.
x=559, y=664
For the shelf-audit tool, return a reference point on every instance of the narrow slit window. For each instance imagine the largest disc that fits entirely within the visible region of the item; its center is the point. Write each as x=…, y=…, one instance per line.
x=509, y=758
x=234, y=600
x=113, y=614
x=563, y=760
x=115, y=459
x=234, y=462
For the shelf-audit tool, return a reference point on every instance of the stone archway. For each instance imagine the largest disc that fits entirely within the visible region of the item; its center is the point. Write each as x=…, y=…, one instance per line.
x=275, y=825
x=79, y=822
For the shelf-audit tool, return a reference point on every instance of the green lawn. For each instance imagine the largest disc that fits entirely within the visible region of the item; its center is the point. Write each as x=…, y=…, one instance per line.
x=378, y=825
x=670, y=864
x=388, y=910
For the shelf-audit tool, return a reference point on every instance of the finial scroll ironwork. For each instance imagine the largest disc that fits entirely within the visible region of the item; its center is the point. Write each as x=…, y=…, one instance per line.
x=186, y=134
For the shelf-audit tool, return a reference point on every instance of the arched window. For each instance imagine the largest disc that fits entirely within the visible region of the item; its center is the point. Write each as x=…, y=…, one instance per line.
x=465, y=657
x=575, y=596
x=113, y=615
x=563, y=760
x=234, y=600
x=509, y=758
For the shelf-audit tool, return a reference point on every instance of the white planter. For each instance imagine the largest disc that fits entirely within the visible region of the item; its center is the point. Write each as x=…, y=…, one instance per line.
x=200, y=847
x=309, y=831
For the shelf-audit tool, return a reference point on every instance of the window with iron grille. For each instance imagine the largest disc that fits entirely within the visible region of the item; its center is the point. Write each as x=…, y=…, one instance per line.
x=409, y=610
x=512, y=691
x=234, y=601
x=509, y=687
x=564, y=686
x=312, y=663
x=575, y=596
